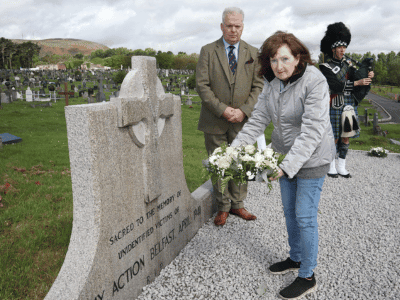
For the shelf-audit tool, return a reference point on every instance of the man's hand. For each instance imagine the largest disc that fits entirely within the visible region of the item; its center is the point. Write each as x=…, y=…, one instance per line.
x=364, y=81
x=240, y=115
x=237, y=115
x=371, y=74
x=229, y=113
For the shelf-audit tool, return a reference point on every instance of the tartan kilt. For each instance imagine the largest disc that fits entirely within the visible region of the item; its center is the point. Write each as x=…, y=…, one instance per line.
x=336, y=114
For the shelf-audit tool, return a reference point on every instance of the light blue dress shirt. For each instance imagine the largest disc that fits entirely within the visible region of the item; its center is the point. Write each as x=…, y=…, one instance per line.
x=235, y=51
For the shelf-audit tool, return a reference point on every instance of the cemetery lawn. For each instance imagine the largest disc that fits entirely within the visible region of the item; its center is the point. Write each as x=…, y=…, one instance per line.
x=384, y=90
x=36, y=192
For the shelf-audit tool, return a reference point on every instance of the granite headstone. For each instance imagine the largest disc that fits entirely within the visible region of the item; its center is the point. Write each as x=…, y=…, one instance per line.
x=133, y=212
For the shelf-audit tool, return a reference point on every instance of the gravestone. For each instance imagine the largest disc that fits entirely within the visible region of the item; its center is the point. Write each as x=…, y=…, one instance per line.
x=376, y=128
x=4, y=98
x=90, y=99
x=41, y=105
x=13, y=94
x=133, y=212
x=66, y=93
x=100, y=96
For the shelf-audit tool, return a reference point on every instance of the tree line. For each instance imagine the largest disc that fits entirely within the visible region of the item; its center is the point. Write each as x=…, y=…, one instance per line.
x=117, y=57
x=26, y=55
x=386, y=66
x=15, y=56
x=114, y=58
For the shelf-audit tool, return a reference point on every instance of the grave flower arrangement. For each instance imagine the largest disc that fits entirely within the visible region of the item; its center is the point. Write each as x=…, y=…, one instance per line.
x=378, y=152
x=242, y=164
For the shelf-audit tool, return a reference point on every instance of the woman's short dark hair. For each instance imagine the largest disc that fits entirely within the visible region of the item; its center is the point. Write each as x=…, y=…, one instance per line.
x=273, y=43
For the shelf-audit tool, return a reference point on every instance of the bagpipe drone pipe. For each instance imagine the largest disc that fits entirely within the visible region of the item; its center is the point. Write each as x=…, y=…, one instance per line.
x=363, y=69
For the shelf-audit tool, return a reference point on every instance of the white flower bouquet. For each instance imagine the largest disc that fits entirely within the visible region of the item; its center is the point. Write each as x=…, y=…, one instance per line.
x=378, y=152
x=242, y=164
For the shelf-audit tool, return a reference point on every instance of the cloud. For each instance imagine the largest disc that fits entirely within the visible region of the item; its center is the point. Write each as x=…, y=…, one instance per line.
x=178, y=25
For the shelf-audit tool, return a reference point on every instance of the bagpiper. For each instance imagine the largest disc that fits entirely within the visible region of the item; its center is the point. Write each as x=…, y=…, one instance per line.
x=339, y=73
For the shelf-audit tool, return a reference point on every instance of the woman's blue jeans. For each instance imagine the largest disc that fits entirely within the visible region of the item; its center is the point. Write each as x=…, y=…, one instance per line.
x=300, y=199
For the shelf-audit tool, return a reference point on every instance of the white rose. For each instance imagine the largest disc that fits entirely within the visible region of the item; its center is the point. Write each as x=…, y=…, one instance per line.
x=235, y=152
x=268, y=152
x=250, y=149
x=217, y=150
x=247, y=157
x=224, y=162
x=259, y=159
x=229, y=150
x=249, y=175
x=212, y=159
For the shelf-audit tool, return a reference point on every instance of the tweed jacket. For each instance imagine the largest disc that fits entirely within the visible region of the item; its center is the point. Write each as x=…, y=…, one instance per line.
x=218, y=88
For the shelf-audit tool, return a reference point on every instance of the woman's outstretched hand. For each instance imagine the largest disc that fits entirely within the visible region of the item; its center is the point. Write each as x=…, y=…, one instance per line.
x=280, y=174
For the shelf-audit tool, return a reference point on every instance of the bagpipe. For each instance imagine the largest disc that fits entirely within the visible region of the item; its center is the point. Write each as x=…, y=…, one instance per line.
x=364, y=68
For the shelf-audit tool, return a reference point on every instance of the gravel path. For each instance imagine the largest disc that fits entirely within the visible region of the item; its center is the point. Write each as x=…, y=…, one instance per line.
x=359, y=243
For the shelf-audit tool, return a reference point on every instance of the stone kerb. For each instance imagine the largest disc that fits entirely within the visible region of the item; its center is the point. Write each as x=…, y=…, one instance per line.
x=133, y=212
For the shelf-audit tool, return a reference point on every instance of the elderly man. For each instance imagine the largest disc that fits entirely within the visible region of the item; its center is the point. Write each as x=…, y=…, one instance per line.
x=228, y=84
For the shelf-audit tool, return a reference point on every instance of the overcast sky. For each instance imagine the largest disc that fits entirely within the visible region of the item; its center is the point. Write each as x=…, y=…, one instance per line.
x=176, y=25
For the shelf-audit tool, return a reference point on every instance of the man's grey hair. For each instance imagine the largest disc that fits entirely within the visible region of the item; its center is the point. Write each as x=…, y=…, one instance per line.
x=230, y=10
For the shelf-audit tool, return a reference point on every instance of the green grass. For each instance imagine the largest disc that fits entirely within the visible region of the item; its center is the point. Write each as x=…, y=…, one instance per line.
x=35, y=220
x=370, y=108
x=35, y=186
x=384, y=90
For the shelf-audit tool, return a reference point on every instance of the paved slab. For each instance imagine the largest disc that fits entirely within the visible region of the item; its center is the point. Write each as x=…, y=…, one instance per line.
x=8, y=138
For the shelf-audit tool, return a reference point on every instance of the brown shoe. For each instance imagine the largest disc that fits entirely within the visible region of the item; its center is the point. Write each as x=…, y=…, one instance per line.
x=221, y=217
x=243, y=213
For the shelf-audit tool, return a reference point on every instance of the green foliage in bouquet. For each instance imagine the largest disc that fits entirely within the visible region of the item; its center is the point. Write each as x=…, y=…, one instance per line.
x=242, y=164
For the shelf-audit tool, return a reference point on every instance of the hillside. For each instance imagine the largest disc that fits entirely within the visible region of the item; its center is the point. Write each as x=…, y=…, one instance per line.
x=64, y=46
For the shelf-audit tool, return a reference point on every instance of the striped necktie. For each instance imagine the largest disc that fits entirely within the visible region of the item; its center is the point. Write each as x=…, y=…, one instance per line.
x=232, y=60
